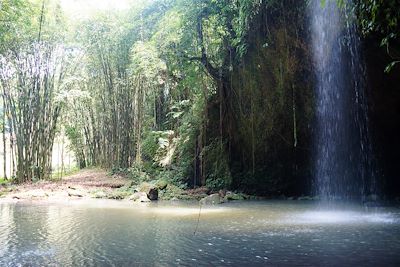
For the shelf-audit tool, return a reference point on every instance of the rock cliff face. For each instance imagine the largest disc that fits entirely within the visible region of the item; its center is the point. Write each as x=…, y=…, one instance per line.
x=267, y=105
x=384, y=101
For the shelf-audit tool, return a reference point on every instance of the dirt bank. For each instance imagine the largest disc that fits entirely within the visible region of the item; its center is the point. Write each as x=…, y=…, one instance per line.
x=85, y=184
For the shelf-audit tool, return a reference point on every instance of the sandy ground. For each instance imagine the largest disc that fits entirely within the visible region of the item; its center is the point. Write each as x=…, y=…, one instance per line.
x=84, y=184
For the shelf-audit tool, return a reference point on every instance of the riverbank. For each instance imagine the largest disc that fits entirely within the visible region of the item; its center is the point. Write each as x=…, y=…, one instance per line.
x=83, y=184
x=98, y=184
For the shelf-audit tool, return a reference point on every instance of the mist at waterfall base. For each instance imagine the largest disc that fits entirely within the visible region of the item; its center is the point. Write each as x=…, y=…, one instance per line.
x=343, y=167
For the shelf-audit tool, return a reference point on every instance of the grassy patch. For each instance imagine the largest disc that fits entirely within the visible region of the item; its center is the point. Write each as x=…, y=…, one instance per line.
x=4, y=181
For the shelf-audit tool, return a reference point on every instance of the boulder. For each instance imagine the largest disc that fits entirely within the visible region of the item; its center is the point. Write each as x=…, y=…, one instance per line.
x=153, y=194
x=161, y=184
x=139, y=197
x=144, y=198
x=211, y=199
x=135, y=196
x=150, y=190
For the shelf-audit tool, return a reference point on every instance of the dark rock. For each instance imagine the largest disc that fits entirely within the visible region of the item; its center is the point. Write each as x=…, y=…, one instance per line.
x=153, y=194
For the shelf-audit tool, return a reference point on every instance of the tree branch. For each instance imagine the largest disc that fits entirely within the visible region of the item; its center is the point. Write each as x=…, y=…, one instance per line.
x=214, y=72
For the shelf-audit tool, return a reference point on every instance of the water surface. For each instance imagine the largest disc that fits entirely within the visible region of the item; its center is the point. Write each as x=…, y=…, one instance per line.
x=267, y=233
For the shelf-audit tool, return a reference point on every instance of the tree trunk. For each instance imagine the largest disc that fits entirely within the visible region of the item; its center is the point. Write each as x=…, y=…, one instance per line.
x=4, y=140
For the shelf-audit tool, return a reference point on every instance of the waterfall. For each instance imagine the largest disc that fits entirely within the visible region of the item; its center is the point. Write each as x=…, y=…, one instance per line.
x=343, y=155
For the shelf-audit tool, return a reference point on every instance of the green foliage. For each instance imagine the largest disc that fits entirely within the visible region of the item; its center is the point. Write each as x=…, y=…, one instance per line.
x=4, y=181
x=150, y=145
x=145, y=61
x=382, y=18
x=172, y=191
x=138, y=175
x=20, y=23
x=77, y=144
x=379, y=16
x=15, y=22
x=218, y=170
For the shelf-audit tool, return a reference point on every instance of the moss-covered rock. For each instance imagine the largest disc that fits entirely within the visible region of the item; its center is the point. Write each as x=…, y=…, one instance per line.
x=161, y=184
x=151, y=190
x=211, y=199
x=145, y=187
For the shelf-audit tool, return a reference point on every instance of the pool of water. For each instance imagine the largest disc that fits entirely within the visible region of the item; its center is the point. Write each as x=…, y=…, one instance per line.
x=275, y=233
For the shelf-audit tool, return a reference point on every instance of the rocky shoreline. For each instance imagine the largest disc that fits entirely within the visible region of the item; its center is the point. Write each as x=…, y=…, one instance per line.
x=97, y=184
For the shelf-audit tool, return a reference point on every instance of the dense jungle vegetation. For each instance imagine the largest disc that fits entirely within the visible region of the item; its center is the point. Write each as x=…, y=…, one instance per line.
x=215, y=92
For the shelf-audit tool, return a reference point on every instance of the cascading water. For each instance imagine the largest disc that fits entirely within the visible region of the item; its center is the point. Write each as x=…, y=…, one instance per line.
x=343, y=166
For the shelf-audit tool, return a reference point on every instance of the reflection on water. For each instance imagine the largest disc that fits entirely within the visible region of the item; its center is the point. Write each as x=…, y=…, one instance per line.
x=110, y=233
